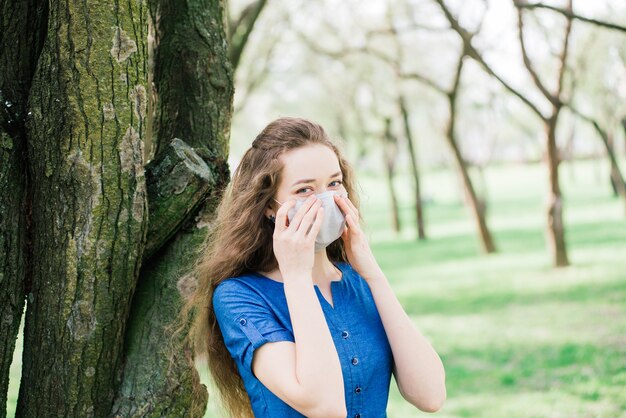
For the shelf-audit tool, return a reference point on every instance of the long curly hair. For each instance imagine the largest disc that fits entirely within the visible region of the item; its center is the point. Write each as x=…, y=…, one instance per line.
x=240, y=241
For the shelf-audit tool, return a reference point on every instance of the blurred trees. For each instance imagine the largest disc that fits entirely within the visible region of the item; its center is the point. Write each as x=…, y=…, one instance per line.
x=555, y=227
x=402, y=55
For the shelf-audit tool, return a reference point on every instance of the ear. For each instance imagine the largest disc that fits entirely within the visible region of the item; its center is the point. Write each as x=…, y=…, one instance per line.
x=269, y=212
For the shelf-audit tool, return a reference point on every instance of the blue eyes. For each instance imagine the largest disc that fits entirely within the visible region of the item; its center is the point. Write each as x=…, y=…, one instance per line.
x=336, y=181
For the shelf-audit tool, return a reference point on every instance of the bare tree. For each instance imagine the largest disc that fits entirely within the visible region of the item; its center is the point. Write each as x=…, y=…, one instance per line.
x=403, y=107
x=555, y=231
x=556, y=99
x=477, y=205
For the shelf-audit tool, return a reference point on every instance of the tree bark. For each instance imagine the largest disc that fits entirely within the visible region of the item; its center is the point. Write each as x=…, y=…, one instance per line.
x=21, y=37
x=419, y=211
x=80, y=100
x=89, y=206
x=191, y=107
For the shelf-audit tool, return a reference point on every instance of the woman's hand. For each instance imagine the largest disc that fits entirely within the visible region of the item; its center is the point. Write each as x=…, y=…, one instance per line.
x=294, y=243
x=359, y=254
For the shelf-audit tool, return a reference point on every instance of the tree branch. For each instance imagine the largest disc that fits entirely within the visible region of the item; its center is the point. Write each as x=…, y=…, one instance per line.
x=477, y=56
x=520, y=4
x=241, y=29
x=528, y=64
x=425, y=80
x=563, y=57
x=605, y=140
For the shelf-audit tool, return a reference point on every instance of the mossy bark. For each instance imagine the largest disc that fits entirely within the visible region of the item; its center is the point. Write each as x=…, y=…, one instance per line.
x=178, y=183
x=89, y=205
x=21, y=38
x=86, y=87
x=190, y=109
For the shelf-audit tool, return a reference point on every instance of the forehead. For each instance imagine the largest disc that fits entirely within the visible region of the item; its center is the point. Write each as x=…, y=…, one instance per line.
x=309, y=162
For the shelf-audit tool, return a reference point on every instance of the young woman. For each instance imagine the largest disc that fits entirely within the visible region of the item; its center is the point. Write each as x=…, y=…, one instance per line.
x=299, y=318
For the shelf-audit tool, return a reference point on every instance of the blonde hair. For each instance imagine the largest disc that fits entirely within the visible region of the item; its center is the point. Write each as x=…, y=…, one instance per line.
x=240, y=241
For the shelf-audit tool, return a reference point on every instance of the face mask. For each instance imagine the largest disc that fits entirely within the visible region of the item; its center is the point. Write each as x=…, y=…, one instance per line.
x=334, y=221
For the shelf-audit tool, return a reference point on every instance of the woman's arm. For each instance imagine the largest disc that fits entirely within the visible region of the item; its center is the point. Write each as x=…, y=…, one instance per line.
x=306, y=375
x=418, y=369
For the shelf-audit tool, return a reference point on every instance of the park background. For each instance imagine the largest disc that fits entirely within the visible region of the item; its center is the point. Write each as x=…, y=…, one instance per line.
x=522, y=331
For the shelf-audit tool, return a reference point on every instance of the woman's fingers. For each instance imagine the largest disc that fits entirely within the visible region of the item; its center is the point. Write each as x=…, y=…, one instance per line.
x=317, y=224
x=281, y=215
x=343, y=205
x=351, y=205
x=294, y=224
x=308, y=219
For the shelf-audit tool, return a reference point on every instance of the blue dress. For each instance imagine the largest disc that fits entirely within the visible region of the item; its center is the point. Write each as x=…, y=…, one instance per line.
x=251, y=310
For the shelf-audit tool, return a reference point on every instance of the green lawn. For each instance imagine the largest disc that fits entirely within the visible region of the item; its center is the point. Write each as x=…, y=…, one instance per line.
x=517, y=337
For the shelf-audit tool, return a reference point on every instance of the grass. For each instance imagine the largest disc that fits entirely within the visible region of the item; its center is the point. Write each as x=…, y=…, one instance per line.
x=518, y=338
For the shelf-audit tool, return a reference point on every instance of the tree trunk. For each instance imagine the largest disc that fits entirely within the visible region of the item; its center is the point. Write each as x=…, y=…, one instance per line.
x=613, y=176
x=419, y=212
x=477, y=206
x=193, y=104
x=395, y=212
x=555, y=232
x=617, y=180
x=21, y=39
x=79, y=102
x=86, y=133
x=624, y=127
x=77, y=192
x=389, y=157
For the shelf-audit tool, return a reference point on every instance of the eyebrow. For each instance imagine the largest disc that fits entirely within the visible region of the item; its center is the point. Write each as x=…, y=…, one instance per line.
x=313, y=180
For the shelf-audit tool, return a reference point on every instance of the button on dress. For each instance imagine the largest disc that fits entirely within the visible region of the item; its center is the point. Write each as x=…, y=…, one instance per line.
x=251, y=310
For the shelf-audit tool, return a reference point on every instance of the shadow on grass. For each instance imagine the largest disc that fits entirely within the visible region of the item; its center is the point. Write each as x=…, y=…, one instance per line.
x=466, y=246
x=488, y=300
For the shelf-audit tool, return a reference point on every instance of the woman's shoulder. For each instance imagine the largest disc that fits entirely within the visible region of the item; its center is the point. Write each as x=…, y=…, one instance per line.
x=247, y=286
x=241, y=283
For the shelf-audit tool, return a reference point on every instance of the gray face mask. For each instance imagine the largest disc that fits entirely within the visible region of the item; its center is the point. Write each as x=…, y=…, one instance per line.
x=334, y=221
